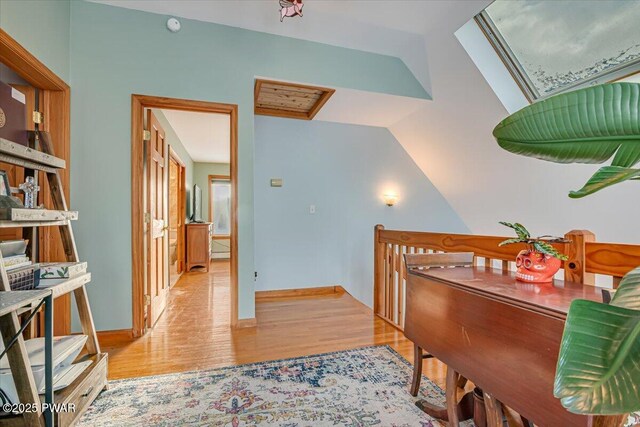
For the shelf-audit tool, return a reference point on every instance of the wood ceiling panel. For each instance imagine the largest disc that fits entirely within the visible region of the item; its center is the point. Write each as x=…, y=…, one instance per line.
x=296, y=101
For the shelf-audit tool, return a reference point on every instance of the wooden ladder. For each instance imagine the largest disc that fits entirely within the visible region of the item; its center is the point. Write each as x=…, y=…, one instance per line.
x=45, y=160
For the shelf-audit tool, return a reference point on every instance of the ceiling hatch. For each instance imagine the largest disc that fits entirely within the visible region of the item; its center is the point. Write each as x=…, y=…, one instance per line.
x=291, y=100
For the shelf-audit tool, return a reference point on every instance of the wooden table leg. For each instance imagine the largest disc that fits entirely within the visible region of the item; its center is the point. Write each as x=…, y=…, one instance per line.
x=494, y=411
x=417, y=369
x=462, y=410
x=479, y=411
x=452, y=397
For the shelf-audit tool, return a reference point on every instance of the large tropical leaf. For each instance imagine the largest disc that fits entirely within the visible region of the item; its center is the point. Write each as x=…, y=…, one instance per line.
x=584, y=126
x=604, y=177
x=598, y=368
x=628, y=293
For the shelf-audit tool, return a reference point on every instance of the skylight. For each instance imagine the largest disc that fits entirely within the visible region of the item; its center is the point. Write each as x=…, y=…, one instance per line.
x=554, y=46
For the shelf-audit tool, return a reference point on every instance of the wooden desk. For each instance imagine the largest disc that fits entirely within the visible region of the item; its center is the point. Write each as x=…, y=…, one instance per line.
x=502, y=334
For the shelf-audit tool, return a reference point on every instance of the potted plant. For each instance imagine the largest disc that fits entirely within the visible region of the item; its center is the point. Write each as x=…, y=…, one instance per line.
x=598, y=368
x=540, y=261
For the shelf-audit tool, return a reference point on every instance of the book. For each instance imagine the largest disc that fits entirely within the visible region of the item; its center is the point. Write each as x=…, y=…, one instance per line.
x=18, y=265
x=14, y=260
x=62, y=270
x=10, y=248
x=65, y=350
x=14, y=108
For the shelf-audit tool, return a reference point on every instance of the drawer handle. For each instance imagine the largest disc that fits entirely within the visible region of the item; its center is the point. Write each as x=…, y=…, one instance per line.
x=87, y=393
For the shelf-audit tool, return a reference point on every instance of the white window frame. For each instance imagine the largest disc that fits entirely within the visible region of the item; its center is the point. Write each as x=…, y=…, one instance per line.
x=510, y=61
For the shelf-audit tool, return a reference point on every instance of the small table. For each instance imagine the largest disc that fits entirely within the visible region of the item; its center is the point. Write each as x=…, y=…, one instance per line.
x=502, y=334
x=10, y=302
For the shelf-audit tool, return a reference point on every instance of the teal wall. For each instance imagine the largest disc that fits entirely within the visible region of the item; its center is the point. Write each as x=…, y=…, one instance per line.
x=343, y=170
x=108, y=53
x=201, y=177
x=42, y=27
x=116, y=52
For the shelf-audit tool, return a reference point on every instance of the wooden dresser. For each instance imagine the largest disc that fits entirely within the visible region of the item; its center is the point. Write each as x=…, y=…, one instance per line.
x=199, y=244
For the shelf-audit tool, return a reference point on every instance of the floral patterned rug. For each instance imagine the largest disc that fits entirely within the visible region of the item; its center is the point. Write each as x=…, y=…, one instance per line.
x=362, y=387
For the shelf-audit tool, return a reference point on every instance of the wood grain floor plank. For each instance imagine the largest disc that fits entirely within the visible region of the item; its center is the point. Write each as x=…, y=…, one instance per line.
x=194, y=332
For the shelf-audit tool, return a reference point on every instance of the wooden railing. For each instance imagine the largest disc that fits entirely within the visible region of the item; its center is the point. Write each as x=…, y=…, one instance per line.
x=586, y=259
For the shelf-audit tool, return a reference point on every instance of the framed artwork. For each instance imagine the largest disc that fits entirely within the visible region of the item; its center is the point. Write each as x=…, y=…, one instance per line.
x=5, y=188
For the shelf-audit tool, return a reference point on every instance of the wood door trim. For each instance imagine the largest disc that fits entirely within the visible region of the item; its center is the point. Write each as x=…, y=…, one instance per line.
x=182, y=200
x=175, y=156
x=138, y=104
x=56, y=107
x=27, y=66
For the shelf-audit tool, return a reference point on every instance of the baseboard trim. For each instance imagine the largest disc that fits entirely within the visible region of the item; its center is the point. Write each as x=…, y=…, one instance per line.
x=300, y=292
x=246, y=323
x=118, y=334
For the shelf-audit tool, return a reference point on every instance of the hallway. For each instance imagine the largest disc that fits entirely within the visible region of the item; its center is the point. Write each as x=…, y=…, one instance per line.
x=194, y=333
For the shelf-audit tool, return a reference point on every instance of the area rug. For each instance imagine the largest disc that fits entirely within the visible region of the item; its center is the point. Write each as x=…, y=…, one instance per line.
x=362, y=387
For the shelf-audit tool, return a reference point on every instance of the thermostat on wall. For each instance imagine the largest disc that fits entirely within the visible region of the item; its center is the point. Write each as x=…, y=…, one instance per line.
x=276, y=182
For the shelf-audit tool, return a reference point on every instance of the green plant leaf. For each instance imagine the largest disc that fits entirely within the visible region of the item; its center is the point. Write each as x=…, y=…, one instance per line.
x=520, y=229
x=546, y=248
x=511, y=241
x=604, y=177
x=588, y=125
x=598, y=370
x=628, y=293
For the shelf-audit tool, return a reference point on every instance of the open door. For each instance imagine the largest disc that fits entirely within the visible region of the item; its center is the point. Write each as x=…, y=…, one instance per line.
x=177, y=216
x=156, y=219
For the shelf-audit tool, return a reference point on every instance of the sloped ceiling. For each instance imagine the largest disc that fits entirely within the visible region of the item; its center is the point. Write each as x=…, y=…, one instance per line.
x=450, y=137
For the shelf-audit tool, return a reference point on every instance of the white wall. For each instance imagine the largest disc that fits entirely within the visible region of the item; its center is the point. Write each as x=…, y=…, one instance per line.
x=450, y=139
x=343, y=170
x=491, y=66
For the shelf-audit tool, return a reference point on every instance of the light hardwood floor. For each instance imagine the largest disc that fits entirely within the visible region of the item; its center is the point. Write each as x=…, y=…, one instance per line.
x=194, y=332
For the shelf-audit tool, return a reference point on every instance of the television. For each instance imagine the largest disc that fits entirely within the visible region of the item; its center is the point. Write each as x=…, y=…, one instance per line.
x=197, y=204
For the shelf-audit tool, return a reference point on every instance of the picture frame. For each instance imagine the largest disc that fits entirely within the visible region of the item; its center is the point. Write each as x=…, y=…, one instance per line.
x=5, y=187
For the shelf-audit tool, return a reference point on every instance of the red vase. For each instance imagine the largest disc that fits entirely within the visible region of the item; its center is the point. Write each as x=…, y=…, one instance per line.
x=536, y=267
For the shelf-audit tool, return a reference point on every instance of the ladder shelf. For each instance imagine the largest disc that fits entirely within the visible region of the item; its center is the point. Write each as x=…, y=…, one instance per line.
x=85, y=388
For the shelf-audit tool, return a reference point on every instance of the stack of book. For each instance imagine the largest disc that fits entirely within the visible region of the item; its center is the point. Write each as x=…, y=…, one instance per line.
x=65, y=350
x=14, y=256
x=16, y=261
x=21, y=271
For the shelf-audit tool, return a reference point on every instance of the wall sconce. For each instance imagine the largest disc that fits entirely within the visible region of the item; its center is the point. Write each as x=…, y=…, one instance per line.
x=390, y=199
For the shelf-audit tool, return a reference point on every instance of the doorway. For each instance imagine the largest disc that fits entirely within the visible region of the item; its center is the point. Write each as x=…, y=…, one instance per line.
x=159, y=181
